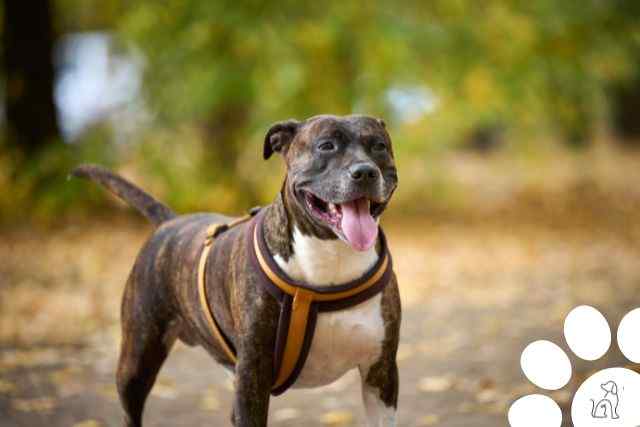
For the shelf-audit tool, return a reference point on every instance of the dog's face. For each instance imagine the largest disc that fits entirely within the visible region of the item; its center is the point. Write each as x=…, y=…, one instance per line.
x=610, y=387
x=340, y=173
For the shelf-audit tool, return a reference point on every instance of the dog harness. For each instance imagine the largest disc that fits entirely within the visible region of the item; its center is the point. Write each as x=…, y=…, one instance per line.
x=299, y=302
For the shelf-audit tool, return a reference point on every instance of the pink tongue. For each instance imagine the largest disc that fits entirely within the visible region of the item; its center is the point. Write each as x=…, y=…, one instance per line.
x=358, y=225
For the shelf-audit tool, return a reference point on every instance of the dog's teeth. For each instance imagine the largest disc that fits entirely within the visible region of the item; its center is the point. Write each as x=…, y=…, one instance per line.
x=332, y=208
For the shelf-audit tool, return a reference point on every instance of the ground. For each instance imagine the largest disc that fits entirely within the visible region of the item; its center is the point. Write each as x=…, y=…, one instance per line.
x=474, y=292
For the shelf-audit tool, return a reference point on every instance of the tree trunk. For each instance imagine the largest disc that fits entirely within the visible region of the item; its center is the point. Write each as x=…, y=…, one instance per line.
x=28, y=63
x=625, y=99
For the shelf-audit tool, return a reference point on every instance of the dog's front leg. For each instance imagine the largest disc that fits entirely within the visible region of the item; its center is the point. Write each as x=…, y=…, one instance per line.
x=254, y=372
x=254, y=368
x=380, y=379
x=380, y=392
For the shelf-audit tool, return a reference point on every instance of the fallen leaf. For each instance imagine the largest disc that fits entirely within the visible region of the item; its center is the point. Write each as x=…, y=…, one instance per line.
x=405, y=351
x=337, y=418
x=210, y=401
x=87, y=423
x=6, y=387
x=165, y=388
x=40, y=404
x=429, y=420
x=27, y=358
x=230, y=384
x=486, y=396
x=109, y=391
x=435, y=384
x=286, y=414
x=465, y=407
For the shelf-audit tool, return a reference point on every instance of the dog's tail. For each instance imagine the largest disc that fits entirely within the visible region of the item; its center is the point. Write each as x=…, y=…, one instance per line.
x=152, y=209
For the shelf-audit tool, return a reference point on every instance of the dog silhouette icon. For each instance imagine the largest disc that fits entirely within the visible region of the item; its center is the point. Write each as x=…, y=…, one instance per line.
x=607, y=407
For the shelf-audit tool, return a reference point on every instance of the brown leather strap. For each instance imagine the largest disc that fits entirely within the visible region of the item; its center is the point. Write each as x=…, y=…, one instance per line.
x=212, y=232
x=295, y=336
x=299, y=302
x=316, y=296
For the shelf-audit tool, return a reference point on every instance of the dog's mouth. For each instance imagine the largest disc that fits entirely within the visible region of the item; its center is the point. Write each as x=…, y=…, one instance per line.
x=353, y=221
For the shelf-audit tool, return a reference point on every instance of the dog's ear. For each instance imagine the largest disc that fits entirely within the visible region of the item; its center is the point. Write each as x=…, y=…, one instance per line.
x=610, y=387
x=279, y=137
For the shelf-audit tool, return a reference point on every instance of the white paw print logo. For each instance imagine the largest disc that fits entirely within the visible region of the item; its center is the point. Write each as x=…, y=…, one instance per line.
x=607, y=398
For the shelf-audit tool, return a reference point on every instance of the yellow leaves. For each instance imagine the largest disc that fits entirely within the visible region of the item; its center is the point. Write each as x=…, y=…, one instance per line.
x=210, y=401
x=481, y=89
x=41, y=404
x=405, y=351
x=506, y=34
x=286, y=414
x=60, y=377
x=87, y=423
x=447, y=270
x=6, y=387
x=165, y=388
x=435, y=384
x=429, y=420
x=337, y=418
x=487, y=395
x=314, y=36
x=67, y=381
x=201, y=33
x=10, y=360
x=109, y=391
x=230, y=385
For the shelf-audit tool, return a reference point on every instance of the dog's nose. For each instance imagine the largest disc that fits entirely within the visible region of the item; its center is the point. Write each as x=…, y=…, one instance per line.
x=364, y=172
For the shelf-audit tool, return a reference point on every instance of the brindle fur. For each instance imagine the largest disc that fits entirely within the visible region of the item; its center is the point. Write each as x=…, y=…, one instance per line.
x=161, y=302
x=383, y=375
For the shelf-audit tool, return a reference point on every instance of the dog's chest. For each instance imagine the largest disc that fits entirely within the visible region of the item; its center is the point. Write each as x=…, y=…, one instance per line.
x=343, y=339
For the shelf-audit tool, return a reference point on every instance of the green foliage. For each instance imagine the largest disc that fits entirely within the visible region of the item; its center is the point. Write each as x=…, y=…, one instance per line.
x=219, y=72
x=521, y=62
x=40, y=188
x=231, y=68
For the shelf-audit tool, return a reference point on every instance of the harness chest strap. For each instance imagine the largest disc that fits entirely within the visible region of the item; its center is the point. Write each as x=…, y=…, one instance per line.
x=212, y=232
x=298, y=329
x=299, y=302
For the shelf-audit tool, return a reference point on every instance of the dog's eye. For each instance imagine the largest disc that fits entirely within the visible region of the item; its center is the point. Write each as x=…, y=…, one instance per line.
x=379, y=147
x=327, y=146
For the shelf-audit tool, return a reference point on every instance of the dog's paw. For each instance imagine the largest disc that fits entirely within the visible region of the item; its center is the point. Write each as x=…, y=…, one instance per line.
x=606, y=398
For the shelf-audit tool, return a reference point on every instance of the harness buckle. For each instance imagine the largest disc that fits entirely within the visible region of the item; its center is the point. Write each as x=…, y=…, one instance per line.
x=212, y=232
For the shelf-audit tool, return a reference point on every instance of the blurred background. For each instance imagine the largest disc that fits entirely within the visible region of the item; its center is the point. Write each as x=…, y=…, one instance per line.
x=516, y=132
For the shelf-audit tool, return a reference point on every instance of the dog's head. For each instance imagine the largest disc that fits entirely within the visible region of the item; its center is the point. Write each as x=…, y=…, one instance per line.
x=340, y=174
x=610, y=387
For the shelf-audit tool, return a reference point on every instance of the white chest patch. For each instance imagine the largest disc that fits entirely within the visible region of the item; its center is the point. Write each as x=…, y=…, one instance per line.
x=343, y=339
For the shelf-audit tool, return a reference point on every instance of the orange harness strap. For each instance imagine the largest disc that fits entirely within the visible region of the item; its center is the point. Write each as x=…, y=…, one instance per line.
x=302, y=300
x=299, y=302
x=295, y=336
x=212, y=232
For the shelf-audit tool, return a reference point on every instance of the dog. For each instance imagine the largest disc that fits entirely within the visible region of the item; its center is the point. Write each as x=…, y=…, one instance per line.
x=607, y=407
x=321, y=230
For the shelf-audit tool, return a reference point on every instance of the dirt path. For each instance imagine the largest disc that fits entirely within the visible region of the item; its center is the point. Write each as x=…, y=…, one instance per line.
x=473, y=295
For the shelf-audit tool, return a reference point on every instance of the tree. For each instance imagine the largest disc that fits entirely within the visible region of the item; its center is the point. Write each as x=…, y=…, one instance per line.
x=29, y=70
x=625, y=99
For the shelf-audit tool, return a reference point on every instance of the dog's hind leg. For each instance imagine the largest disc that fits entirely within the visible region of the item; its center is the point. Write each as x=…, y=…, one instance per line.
x=146, y=343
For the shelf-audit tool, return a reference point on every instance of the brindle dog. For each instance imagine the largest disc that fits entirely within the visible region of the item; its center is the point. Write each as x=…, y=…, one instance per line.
x=340, y=177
